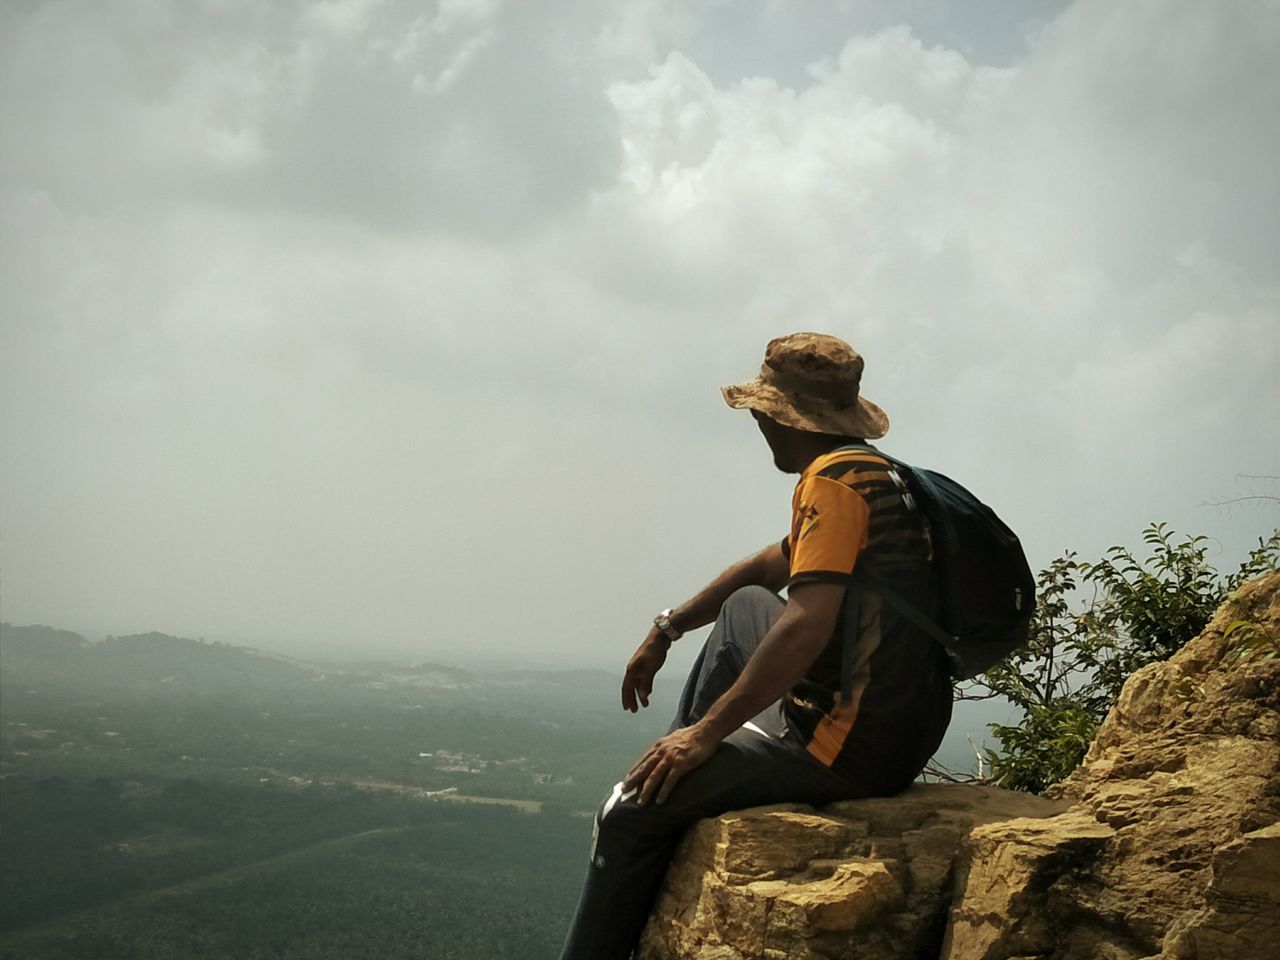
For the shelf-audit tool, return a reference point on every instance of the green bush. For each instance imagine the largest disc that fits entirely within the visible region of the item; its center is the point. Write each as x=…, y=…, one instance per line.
x=1095, y=624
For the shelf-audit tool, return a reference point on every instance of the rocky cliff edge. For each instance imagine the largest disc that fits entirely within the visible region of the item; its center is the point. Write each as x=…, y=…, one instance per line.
x=1164, y=843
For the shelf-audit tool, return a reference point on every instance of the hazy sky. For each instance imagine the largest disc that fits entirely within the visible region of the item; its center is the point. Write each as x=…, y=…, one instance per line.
x=401, y=325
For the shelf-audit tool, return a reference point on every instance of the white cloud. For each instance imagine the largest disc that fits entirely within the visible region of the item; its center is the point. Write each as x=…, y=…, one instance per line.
x=377, y=112
x=340, y=317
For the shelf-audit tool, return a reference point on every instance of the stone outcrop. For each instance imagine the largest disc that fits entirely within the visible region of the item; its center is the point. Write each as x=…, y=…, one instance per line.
x=1180, y=795
x=866, y=878
x=1165, y=843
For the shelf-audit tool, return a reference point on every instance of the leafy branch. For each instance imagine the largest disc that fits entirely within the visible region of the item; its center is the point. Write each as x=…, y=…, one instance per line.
x=1095, y=624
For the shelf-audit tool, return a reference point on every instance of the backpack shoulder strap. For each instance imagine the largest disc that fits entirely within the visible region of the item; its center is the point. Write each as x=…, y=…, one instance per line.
x=907, y=609
x=860, y=582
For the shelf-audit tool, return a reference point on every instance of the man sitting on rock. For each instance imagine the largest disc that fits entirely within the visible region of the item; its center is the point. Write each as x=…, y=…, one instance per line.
x=776, y=709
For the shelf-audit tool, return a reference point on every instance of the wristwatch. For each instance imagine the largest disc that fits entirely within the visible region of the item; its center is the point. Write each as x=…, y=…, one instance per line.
x=663, y=622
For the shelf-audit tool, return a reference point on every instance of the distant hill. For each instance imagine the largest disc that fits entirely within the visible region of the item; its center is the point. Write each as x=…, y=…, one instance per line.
x=39, y=640
x=436, y=675
x=39, y=655
x=567, y=678
x=42, y=656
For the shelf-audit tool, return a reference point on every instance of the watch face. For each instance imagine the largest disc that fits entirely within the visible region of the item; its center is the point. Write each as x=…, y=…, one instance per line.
x=663, y=622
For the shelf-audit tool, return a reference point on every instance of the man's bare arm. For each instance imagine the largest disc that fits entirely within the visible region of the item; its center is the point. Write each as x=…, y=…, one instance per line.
x=767, y=568
x=788, y=650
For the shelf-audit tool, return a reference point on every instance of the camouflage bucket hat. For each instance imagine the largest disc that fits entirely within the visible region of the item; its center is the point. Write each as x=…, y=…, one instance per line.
x=809, y=381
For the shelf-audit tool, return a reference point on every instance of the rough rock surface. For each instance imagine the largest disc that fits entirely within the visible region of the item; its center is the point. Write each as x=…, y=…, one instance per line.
x=1171, y=847
x=1165, y=843
x=865, y=878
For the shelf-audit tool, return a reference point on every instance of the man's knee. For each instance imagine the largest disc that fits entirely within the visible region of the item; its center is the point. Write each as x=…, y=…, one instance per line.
x=610, y=803
x=753, y=598
x=603, y=824
x=621, y=824
x=749, y=611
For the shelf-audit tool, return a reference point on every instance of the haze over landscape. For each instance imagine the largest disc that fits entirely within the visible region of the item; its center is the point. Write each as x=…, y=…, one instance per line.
x=397, y=328
x=359, y=368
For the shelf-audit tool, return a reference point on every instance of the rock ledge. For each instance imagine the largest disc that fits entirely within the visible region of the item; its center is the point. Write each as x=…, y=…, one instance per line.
x=1163, y=845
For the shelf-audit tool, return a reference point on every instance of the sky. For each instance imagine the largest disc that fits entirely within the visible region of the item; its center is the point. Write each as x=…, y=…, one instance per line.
x=397, y=328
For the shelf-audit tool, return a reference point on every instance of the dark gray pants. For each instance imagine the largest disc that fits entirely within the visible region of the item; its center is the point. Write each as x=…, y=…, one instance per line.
x=633, y=845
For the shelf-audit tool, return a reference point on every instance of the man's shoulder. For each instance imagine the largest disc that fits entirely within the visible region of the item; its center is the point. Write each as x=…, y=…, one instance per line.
x=845, y=464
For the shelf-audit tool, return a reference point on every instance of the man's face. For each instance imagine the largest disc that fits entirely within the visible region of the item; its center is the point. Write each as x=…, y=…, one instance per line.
x=776, y=436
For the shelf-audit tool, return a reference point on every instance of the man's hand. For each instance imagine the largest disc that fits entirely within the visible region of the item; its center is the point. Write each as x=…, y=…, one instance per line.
x=644, y=665
x=667, y=761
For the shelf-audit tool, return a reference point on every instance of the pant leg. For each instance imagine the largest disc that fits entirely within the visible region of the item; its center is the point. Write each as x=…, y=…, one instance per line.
x=743, y=621
x=633, y=845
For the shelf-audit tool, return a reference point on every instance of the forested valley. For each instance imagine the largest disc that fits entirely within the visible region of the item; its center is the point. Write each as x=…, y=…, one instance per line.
x=165, y=798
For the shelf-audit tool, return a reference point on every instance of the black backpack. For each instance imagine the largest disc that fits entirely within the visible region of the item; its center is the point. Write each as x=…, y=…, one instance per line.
x=985, y=588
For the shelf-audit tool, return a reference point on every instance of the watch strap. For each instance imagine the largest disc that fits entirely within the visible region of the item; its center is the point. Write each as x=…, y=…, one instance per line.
x=663, y=622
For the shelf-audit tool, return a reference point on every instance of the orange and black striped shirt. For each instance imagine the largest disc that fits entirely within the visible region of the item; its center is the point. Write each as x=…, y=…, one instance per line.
x=851, y=508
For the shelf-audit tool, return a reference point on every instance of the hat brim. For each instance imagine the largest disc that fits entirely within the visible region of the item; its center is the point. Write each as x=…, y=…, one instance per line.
x=861, y=419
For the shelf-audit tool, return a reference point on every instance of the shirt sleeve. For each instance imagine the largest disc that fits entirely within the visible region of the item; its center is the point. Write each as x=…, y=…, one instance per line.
x=828, y=531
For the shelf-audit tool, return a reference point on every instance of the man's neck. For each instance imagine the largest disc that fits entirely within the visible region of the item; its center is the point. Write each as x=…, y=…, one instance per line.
x=812, y=446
